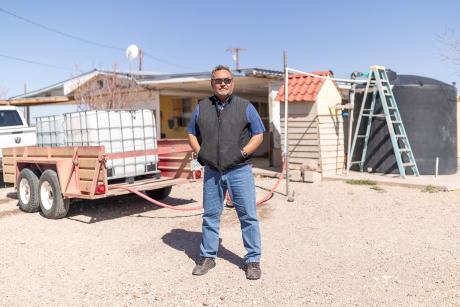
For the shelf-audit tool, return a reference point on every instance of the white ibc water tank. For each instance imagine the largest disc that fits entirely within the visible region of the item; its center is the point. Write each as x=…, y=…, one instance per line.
x=118, y=131
x=50, y=130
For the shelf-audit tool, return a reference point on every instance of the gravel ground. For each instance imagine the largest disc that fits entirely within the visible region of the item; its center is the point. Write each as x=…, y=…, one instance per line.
x=337, y=244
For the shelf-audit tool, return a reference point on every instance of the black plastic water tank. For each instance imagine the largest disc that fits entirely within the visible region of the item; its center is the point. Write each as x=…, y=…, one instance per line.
x=428, y=110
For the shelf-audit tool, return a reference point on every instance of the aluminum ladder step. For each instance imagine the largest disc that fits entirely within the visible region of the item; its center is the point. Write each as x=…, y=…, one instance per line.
x=374, y=115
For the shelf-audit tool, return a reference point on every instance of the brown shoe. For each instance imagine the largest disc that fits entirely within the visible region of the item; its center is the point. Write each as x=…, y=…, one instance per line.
x=203, y=265
x=253, y=271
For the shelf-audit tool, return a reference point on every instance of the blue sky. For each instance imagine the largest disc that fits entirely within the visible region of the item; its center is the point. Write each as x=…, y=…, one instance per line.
x=343, y=36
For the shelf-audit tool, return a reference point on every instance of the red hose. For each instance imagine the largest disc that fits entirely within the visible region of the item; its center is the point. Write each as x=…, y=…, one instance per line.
x=270, y=193
x=153, y=201
x=160, y=204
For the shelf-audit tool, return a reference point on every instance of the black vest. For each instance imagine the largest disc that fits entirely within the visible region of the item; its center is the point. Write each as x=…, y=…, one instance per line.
x=222, y=137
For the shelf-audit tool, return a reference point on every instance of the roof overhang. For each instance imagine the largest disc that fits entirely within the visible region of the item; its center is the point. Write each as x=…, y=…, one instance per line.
x=67, y=87
x=251, y=82
x=37, y=101
x=252, y=86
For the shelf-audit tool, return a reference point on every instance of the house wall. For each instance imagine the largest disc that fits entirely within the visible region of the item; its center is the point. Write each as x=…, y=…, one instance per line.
x=328, y=97
x=140, y=99
x=145, y=99
x=315, y=132
x=149, y=100
x=330, y=129
x=172, y=107
x=331, y=138
x=303, y=139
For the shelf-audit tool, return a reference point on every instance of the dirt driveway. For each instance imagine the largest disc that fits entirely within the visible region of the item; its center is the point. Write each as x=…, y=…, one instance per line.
x=337, y=244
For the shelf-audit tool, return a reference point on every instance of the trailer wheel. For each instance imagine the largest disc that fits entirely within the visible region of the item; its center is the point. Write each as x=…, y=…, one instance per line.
x=28, y=191
x=159, y=194
x=53, y=205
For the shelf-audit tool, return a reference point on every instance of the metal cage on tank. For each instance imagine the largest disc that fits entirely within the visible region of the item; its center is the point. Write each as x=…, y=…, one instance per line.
x=428, y=110
x=117, y=130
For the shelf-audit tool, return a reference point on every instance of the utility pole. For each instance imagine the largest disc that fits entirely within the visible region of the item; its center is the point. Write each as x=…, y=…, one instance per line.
x=140, y=59
x=236, y=55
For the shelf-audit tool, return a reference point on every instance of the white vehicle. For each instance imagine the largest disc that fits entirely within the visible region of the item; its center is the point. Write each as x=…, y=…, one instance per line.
x=14, y=131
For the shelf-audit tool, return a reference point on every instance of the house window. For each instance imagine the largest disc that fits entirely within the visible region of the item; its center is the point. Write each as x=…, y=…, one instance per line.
x=262, y=108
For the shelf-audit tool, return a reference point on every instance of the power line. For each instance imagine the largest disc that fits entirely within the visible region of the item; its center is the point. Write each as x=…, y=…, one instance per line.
x=84, y=40
x=59, y=32
x=165, y=61
x=32, y=62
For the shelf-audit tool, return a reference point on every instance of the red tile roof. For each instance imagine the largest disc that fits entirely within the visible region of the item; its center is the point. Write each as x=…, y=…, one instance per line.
x=303, y=88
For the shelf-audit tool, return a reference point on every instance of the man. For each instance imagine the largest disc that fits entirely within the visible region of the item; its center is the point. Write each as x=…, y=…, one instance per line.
x=224, y=132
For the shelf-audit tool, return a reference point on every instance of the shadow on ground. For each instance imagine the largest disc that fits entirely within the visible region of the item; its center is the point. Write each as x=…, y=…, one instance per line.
x=104, y=209
x=12, y=195
x=189, y=243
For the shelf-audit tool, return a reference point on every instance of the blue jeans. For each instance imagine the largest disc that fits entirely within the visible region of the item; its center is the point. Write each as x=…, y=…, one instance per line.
x=239, y=182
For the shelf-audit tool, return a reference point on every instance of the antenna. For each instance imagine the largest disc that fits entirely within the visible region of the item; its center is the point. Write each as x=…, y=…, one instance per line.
x=132, y=52
x=236, y=55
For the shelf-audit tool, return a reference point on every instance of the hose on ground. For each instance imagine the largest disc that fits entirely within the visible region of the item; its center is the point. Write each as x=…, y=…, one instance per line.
x=161, y=204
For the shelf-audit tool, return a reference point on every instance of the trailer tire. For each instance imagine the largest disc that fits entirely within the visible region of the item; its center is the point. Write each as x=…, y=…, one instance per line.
x=159, y=194
x=28, y=191
x=53, y=205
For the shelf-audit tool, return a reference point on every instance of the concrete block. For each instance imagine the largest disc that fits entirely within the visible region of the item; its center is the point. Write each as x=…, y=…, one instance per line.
x=311, y=176
x=311, y=166
x=295, y=175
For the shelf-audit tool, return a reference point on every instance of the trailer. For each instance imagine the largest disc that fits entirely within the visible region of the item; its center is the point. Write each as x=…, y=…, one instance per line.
x=49, y=178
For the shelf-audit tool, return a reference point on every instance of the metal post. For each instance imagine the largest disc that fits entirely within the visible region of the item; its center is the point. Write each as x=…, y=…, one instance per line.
x=286, y=130
x=236, y=55
x=26, y=108
x=436, y=168
x=351, y=109
x=237, y=59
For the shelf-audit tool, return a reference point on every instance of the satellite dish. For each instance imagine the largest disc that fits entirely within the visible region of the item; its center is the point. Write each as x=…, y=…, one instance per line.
x=132, y=52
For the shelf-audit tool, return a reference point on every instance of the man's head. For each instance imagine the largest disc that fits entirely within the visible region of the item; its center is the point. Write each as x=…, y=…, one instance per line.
x=222, y=82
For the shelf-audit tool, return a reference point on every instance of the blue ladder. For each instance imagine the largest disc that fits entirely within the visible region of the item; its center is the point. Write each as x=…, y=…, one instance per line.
x=380, y=85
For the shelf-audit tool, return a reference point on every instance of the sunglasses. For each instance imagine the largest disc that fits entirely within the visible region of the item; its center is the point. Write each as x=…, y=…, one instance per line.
x=222, y=81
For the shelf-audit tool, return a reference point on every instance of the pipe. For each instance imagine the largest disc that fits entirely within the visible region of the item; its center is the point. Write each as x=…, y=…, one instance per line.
x=333, y=79
x=350, y=117
x=436, y=171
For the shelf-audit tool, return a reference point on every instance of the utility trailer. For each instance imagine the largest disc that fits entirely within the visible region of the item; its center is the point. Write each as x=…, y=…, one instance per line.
x=48, y=178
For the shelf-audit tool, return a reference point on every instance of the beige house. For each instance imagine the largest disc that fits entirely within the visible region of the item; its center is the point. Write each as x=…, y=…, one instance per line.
x=172, y=97
x=315, y=125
